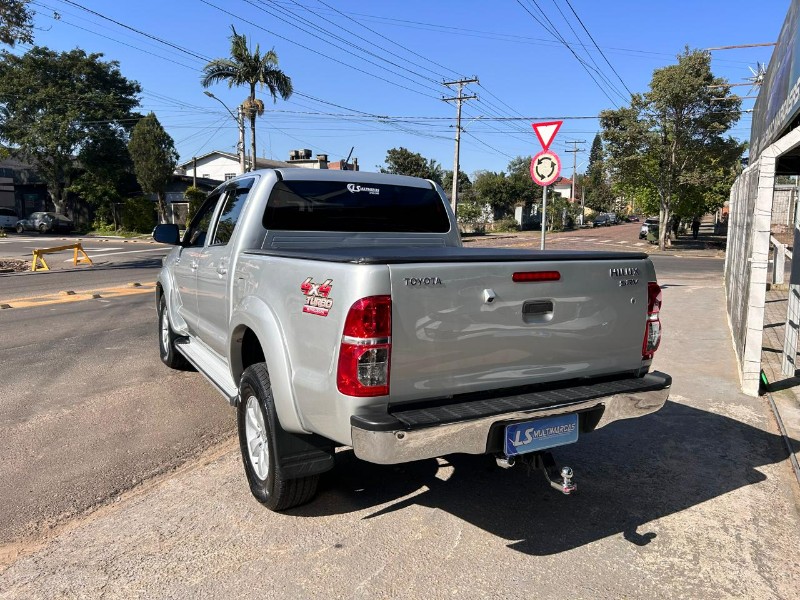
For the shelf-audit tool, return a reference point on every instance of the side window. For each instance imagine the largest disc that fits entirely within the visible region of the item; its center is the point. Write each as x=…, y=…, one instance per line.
x=195, y=235
x=229, y=215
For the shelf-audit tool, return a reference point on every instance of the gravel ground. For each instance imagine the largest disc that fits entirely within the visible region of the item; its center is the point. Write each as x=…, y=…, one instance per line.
x=14, y=266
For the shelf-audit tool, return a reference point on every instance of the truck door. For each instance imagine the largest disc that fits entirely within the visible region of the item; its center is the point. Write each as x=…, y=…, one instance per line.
x=214, y=266
x=185, y=270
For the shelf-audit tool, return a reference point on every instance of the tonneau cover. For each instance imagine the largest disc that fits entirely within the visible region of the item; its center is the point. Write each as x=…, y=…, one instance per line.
x=389, y=255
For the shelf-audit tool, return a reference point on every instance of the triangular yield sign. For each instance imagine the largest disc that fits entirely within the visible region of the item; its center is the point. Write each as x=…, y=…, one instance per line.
x=546, y=132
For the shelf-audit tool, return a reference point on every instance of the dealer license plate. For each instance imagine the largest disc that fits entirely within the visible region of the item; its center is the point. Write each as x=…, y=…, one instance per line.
x=540, y=434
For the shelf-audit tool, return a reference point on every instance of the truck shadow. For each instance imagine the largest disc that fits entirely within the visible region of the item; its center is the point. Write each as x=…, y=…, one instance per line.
x=628, y=474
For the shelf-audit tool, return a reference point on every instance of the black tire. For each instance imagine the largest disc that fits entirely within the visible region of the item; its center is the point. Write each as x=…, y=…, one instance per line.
x=166, y=340
x=256, y=415
x=20, y=229
x=42, y=228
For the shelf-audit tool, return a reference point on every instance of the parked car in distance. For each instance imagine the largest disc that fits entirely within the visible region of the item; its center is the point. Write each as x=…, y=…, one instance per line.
x=45, y=222
x=633, y=219
x=601, y=220
x=8, y=218
x=612, y=219
x=649, y=223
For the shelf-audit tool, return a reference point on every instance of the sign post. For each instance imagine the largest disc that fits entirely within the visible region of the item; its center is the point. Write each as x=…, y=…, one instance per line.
x=545, y=166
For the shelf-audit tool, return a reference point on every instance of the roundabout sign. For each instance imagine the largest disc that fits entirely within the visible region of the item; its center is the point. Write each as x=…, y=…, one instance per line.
x=545, y=168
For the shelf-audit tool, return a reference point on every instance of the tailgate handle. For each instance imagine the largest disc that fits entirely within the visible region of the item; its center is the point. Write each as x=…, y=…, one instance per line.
x=535, y=308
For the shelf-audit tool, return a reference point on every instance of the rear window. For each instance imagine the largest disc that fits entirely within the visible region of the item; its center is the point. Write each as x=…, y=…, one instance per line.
x=357, y=207
x=7, y=212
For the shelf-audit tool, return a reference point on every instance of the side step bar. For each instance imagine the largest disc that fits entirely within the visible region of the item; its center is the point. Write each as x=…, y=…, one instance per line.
x=211, y=365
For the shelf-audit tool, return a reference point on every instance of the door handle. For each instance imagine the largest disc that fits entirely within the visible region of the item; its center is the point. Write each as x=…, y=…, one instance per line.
x=222, y=269
x=194, y=265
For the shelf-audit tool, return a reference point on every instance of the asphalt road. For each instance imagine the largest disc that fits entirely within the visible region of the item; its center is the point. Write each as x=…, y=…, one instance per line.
x=87, y=410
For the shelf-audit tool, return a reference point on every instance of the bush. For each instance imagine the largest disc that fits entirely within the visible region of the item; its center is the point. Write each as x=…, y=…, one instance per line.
x=506, y=224
x=139, y=214
x=195, y=197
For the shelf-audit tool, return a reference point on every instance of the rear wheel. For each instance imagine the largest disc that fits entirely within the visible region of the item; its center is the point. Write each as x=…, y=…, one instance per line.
x=166, y=340
x=258, y=424
x=42, y=228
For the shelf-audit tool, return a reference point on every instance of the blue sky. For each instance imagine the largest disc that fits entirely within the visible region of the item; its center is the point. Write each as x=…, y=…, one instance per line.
x=367, y=74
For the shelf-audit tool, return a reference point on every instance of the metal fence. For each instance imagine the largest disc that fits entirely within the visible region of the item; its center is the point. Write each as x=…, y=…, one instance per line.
x=758, y=210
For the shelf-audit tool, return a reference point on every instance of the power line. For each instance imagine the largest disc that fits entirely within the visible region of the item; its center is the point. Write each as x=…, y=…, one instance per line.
x=598, y=47
x=564, y=42
x=152, y=37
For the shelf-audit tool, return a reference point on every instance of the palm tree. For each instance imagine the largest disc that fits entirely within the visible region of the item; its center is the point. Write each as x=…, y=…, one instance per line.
x=246, y=68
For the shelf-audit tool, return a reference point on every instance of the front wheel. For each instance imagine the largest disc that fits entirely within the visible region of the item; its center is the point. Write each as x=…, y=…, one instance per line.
x=20, y=229
x=42, y=228
x=258, y=424
x=166, y=340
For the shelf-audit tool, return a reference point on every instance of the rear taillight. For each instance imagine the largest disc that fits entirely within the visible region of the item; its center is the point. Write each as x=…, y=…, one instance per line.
x=366, y=348
x=652, y=331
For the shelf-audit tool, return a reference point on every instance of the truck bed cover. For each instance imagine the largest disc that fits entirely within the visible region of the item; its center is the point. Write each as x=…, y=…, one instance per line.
x=368, y=255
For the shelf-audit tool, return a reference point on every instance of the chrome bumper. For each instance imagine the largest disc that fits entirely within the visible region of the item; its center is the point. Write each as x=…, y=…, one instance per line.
x=471, y=436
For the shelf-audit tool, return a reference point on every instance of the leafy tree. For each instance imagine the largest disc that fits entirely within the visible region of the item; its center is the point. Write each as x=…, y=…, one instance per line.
x=249, y=69
x=496, y=190
x=599, y=196
x=16, y=22
x=195, y=197
x=154, y=158
x=671, y=138
x=464, y=183
x=504, y=191
x=106, y=177
x=401, y=161
x=54, y=104
x=138, y=215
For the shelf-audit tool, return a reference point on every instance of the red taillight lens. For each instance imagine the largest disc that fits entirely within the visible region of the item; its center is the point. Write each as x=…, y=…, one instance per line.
x=365, y=352
x=369, y=318
x=534, y=276
x=652, y=332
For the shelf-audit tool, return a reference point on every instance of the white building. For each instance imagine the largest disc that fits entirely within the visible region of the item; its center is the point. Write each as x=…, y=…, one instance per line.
x=220, y=166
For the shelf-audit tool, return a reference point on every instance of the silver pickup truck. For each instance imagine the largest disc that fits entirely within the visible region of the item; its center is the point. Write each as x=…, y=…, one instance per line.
x=341, y=309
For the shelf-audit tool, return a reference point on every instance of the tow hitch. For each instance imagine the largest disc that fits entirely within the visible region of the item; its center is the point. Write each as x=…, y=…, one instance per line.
x=560, y=480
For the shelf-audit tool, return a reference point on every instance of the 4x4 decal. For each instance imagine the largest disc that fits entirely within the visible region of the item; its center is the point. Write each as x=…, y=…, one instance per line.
x=317, y=300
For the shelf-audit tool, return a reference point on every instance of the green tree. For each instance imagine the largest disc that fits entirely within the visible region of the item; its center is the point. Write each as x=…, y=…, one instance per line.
x=669, y=139
x=195, y=197
x=599, y=196
x=495, y=190
x=249, y=69
x=106, y=176
x=16, y=22
x=54, y=104
x=154, y=158
x=464, y=182
x=401, y=161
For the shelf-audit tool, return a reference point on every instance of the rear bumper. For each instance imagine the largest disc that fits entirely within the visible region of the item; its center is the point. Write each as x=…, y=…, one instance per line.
x=465, y=427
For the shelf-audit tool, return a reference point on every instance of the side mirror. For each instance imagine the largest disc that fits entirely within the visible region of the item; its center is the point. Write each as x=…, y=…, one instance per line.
x=167, y=233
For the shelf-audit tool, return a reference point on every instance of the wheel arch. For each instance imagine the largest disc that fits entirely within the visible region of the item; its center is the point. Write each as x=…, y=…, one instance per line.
x=256, y=337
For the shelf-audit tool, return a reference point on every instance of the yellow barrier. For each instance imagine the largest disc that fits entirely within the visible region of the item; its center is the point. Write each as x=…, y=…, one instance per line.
x=39, y=258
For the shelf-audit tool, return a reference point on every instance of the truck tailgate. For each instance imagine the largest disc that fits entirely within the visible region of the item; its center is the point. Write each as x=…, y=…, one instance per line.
x=459, y=327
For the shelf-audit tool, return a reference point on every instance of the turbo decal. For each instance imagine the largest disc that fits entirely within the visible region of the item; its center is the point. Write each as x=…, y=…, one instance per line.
x=317, y=300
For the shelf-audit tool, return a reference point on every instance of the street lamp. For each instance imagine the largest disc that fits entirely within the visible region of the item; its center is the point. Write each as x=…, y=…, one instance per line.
x=240, y=124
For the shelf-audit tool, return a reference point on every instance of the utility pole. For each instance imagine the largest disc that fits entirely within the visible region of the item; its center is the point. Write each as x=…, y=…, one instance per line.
x=240, y=143
x=458, y=99
x=574, y=153
x=240, y=124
